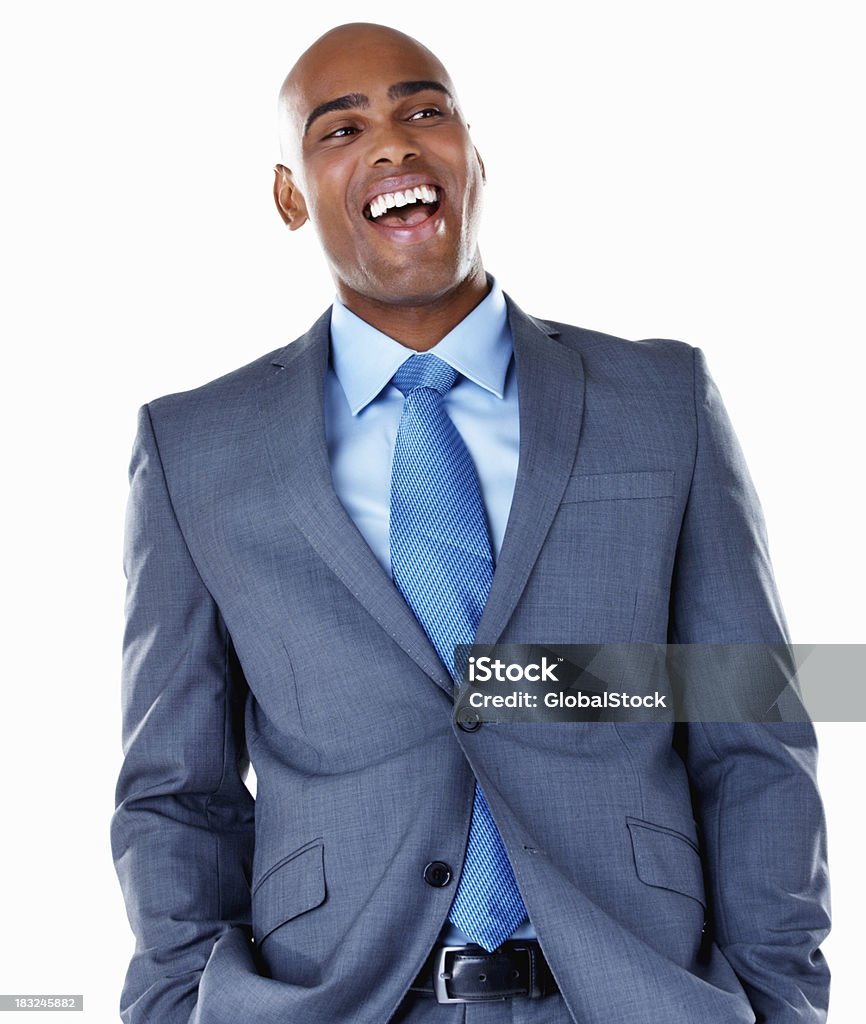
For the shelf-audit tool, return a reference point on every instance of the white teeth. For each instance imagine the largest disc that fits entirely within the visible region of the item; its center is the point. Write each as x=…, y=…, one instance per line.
x=422, y=193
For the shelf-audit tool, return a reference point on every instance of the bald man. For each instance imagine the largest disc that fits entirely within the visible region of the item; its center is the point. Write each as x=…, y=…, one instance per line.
x=308, y=539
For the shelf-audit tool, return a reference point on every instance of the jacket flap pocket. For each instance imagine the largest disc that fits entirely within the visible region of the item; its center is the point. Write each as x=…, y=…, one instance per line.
x=290, y=888
x=612, y=486
x=667, y=859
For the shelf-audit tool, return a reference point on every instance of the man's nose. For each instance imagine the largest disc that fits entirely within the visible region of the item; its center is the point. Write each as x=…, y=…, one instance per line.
x=392, y=145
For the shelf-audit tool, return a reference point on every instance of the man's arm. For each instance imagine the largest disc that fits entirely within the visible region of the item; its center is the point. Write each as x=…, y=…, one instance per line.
x=754, y=785
x=182, y=833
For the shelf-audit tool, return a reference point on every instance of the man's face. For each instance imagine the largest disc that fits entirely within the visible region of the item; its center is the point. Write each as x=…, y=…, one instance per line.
x=385, y=168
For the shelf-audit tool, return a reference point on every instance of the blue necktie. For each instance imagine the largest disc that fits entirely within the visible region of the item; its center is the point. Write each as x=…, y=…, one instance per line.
x=442, y=564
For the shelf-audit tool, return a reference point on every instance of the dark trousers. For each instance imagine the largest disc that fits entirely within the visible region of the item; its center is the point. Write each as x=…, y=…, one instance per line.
x=425, y=1010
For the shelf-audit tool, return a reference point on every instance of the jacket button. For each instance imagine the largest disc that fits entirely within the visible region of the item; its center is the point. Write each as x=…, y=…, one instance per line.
x=468, y=720
x=437, y=873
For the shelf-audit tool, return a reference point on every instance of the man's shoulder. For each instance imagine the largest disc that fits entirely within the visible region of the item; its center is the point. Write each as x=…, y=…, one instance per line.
x=642, y=361
x=239, y=379
x=233, y=390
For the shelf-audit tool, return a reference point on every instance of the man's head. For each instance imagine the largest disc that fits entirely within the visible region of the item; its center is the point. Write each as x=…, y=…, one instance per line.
x=369, y=118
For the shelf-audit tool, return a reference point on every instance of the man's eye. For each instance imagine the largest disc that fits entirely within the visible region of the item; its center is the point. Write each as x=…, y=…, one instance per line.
x=420, y=115
x=341, y=133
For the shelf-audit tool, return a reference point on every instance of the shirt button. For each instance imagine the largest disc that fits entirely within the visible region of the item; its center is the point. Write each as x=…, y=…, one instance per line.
x=437, y=873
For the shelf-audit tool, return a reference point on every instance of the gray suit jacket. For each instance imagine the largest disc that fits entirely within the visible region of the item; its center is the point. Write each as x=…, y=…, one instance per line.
x=668, y=880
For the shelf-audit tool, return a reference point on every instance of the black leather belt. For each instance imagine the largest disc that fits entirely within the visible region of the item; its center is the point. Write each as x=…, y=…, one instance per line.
x=469, y=974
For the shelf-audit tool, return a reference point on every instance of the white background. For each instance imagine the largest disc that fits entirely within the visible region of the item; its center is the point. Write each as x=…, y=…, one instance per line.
x=685, y=170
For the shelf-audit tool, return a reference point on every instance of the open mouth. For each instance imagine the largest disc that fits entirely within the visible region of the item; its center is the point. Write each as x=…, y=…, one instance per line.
x=405, y=208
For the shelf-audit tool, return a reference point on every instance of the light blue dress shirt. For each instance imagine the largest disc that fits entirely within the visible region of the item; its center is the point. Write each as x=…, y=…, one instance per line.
x=363, y=409
x=362, y=414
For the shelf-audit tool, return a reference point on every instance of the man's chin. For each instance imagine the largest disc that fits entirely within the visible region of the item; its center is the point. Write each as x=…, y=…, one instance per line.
x=412, y=285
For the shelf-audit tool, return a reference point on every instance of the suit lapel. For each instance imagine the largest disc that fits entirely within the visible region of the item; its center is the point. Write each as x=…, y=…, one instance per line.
x=550, y=387
x=291, y=402
x=550, y=393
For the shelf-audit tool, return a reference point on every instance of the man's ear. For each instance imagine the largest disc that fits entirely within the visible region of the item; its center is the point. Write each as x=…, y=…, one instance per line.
x=481, y=163
x=290, y=203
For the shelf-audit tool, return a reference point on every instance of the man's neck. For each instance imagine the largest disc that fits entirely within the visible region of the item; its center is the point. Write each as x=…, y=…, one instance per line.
x=420, y=325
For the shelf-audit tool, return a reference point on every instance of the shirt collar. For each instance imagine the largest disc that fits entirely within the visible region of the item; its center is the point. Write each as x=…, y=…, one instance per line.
x=365, y=359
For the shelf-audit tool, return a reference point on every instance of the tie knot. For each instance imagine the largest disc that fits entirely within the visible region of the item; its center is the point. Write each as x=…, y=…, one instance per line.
x=425, y=371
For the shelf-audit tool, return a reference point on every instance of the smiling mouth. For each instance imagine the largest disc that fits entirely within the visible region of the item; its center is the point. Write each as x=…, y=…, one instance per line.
x=405, y=208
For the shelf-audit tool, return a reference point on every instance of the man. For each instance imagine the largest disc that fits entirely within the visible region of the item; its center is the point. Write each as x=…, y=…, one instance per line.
x=310, y=536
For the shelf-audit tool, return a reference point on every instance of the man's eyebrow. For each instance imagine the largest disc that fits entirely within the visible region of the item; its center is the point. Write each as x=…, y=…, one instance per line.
x=403, y=89
x=356, y=100
x=351, y=101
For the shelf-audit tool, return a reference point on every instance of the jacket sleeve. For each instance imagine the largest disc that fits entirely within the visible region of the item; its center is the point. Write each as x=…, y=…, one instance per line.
x=754, y=783
x=182, y=831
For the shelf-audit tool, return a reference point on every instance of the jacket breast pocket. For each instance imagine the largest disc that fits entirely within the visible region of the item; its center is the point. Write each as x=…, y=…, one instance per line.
x=619, y=486
x=290, y=888
x=667, y=859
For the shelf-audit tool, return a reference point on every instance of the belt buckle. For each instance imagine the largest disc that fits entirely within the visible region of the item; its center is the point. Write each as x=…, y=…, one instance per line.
x=440, y=979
